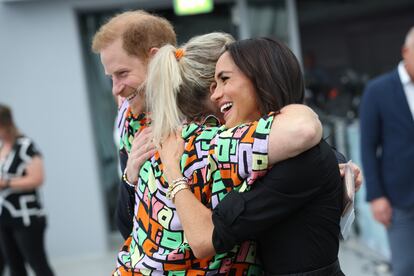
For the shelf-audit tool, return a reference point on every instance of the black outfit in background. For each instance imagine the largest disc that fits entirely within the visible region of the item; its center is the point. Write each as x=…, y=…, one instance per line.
x=124, y=213
x=1, y=263
x=293, y=213
x=22, y=218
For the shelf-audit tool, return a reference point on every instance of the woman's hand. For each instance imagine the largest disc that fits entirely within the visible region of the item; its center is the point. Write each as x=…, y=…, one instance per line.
x=142, y=149
x=170, y=151
x=357, y=174
x=3, y=183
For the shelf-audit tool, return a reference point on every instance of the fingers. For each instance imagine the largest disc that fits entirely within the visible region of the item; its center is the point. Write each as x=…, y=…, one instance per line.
x=342, y=169
x=140, y=150
x=136, y=161
x=142, y=139
x=358, y=182
x=382, y=211
x=172, y=149
x=357, y=176
x=384, y=219
x=143, y=131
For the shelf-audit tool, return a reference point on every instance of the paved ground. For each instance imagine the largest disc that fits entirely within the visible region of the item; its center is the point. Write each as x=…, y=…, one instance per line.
x=356, y=260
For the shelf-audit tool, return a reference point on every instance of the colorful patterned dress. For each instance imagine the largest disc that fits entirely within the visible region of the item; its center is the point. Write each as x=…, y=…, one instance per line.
x=216, y=160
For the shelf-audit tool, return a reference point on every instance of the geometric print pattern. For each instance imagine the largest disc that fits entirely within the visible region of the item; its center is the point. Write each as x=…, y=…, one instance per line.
x=130, y=125
x=216, y=160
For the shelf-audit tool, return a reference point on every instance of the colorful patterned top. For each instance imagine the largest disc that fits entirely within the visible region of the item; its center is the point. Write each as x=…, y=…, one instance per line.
x=216, y=160
x=128, y=125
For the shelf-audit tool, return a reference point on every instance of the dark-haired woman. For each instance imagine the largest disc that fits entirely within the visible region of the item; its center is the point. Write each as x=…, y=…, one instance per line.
x=22, y=218
x=293, y=213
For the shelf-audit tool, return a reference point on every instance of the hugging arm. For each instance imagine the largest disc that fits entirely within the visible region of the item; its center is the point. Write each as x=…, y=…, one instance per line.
x=284, y=190
x=295, y=129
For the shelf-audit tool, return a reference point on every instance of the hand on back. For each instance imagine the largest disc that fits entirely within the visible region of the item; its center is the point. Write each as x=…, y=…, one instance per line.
x=142, y=149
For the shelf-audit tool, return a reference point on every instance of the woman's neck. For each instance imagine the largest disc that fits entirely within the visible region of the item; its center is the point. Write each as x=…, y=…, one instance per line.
x=6, y=146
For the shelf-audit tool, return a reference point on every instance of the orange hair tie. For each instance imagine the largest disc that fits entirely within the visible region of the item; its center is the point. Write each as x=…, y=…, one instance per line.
x=179, y=53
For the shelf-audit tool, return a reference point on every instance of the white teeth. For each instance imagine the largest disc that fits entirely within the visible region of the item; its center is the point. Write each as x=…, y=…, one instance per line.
x=225, y=107
x=130, y=97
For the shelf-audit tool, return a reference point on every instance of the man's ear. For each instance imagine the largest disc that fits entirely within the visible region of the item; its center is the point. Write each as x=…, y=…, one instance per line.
x=152, y=52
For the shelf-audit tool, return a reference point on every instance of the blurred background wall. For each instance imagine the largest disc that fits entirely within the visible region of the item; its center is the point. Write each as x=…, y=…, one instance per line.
x=62, y=99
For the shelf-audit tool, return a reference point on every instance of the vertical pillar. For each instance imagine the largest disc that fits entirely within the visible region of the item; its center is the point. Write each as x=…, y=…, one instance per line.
x=243, y=19
x=293, y=28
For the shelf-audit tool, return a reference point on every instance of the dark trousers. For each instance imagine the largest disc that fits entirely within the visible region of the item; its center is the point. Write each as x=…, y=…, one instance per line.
x=22, y=245
x=1, y=263
x=333, y=269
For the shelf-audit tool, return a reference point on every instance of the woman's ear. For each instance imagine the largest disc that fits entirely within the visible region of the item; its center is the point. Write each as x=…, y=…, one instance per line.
x=152, y=52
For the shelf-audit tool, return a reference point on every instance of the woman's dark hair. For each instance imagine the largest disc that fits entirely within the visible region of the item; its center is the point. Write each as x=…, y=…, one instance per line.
x=6, y=117
x=273, y=69
x=6, y=121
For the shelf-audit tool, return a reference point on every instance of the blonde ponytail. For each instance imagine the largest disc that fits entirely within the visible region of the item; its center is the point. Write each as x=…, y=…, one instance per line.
x=178, y=85
x=163, y=83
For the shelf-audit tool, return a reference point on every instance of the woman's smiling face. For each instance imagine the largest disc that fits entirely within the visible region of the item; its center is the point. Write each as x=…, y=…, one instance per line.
x=234, y=93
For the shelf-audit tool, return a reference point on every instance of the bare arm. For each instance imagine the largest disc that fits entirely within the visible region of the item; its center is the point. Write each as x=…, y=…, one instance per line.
x=34, y=177
x=296, y=129
x=194, y=216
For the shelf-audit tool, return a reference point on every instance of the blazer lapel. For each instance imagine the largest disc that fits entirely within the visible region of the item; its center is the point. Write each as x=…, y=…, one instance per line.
x=401, y=98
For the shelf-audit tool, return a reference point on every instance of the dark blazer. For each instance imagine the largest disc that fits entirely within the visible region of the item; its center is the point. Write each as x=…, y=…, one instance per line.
x=124, y=212
x=387, y=141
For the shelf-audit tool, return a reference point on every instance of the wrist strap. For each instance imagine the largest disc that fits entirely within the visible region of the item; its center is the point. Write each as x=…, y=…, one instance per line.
x=125, y=179
x=177, y=189
x=177, y=185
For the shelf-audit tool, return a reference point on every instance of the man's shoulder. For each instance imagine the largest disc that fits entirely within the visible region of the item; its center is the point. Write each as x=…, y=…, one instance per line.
x=383, y=80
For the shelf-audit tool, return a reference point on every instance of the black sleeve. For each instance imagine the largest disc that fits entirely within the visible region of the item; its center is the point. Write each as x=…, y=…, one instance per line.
x=126, y=201
x=287, y=187
x=32, y=150
x=339, y=156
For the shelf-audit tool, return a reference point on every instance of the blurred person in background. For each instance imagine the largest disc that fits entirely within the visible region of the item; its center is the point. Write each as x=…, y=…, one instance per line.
x=387, y=149
x=317, y=80
x=126, y=43
x=22, y=218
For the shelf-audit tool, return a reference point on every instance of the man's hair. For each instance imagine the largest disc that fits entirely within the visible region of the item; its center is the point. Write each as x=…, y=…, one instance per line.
x=178, y=87
x=272, y=68
x=139, y=31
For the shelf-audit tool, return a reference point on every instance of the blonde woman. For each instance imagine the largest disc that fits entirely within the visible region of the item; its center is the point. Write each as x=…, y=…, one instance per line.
x=177, y=92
